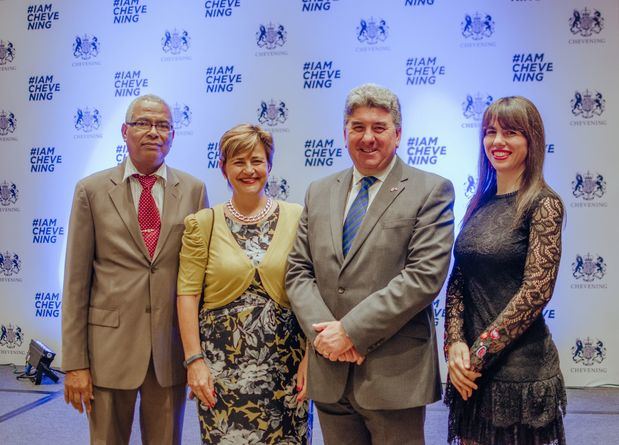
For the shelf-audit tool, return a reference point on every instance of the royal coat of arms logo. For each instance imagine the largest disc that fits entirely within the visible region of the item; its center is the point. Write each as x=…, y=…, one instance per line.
x=474, y=106
x=372, y=31
x=272, y=113
x=588, y=104
x=10, y=264
x=588, y=269
x=277, y=188
x=7, y=123
x=588, y=187
x=11, y=336
x=181, y=116
x=8, y=193
x=469, y=186
x=588, y=351
x=477, y=26
x=86, y=120
x=175, y=42
x=7, y=52
x=271, y=36
x=586, y=23
x=85, y=47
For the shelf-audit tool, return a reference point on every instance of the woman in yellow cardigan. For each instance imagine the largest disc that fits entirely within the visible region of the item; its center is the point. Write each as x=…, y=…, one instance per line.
x=244, y=350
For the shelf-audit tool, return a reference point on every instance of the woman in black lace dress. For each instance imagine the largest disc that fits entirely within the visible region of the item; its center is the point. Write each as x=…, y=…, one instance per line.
x=505, y=385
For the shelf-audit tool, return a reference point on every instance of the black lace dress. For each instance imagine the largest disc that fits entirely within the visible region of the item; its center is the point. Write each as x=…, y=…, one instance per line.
x=502, y=279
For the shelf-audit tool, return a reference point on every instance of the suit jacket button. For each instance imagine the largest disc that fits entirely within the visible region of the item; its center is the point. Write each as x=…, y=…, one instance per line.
x=340, y=290
x=147, y=309
x=153, y=269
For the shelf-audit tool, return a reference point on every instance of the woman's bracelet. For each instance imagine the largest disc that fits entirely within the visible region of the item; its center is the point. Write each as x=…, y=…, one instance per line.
x=192, y=359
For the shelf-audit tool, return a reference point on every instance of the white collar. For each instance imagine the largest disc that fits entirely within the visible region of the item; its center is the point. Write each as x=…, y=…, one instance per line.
x=130, y=170
x=357, y=176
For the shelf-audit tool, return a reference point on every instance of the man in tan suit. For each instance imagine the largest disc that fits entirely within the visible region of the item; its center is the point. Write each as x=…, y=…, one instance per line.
x=119, y=327
x=371, y=255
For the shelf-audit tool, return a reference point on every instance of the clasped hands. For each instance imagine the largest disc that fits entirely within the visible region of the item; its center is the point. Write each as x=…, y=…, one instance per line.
x=333, y=343
x=459, y=368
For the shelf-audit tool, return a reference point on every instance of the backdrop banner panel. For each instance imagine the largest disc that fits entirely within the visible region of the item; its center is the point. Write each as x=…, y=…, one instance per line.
x=69, y=69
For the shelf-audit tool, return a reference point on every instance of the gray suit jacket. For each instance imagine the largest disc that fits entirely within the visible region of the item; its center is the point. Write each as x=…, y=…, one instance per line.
x=119, y=307
x=382, y=291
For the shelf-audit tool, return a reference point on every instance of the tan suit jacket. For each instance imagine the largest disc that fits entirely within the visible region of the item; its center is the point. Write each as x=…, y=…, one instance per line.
x=382, y=291
x=119, y=307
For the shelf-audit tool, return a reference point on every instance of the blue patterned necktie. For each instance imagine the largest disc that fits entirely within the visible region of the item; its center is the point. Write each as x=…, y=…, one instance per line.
x=356, y=213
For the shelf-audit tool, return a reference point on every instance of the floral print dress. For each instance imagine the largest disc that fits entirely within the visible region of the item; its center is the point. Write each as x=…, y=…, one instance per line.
x=253, y=348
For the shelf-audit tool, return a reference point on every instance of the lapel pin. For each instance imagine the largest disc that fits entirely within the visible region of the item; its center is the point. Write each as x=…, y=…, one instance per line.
x=393, y=189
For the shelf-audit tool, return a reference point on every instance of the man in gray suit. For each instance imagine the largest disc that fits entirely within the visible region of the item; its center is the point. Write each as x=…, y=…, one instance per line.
x=119, y=326
x=372, y=253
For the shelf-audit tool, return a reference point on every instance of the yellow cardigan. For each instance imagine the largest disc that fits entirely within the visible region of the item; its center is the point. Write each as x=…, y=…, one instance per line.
x=230, y=272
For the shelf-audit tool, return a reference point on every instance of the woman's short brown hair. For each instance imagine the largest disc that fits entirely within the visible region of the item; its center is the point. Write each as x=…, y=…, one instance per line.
x=242, y=139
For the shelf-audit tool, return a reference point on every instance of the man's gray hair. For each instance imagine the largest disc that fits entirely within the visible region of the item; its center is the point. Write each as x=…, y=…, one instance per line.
x=144, y=98
x=373, y=96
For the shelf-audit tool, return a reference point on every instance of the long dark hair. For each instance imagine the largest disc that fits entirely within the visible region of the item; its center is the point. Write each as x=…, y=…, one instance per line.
x=520, y=114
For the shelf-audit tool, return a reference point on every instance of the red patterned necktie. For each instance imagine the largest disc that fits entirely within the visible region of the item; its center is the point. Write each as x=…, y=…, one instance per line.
x=148, y=214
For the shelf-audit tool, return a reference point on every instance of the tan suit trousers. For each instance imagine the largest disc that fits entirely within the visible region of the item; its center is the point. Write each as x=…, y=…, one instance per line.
x=161, y=413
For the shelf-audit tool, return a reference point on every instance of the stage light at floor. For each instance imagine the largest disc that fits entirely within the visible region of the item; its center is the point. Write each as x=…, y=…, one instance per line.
x=40, y=358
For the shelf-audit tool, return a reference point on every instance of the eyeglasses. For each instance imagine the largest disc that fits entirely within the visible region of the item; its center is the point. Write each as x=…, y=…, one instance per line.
x=162, y=127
